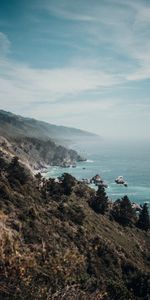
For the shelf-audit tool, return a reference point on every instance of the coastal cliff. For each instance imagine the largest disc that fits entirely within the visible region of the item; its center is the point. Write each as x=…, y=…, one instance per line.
x=37, y=154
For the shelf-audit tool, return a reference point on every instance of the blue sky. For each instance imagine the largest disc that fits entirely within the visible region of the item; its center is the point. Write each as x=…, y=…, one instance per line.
x=78, y=63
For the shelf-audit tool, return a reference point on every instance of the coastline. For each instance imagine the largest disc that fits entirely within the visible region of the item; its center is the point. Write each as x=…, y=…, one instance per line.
x=89, y=168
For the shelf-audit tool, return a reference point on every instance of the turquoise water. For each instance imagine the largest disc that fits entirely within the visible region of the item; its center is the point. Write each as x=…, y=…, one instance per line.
x=109, y=160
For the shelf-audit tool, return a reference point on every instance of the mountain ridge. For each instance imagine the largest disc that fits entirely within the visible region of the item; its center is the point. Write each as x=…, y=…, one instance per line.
x=15, y=125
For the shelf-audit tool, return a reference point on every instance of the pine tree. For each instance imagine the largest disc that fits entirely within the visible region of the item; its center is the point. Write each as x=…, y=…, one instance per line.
x=144, y=218
x=99, y=203
x=68, y=182
x=17, y=172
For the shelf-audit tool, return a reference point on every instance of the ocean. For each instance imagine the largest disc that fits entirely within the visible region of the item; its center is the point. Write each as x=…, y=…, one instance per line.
x=110, y=160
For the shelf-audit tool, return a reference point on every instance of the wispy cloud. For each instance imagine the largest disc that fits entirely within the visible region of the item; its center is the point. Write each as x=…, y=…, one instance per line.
x=23, y=82
x=4, y=44
x=120, y=26
x=20, y=82
x=68, y=10
x=62, y=13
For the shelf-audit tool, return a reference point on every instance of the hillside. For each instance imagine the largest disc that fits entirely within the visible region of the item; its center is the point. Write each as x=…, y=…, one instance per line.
x=12, y=125
x=55, y=246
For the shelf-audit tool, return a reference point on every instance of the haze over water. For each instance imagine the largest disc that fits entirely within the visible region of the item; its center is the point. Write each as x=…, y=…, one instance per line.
x=111, y=159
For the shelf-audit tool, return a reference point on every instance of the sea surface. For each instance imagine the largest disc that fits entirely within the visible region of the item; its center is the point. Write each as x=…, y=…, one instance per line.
x=110, y=160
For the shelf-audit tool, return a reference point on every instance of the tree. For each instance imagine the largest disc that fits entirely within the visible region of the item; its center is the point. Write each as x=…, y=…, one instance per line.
x=123, y=212
x=38, y=176
x=14, y=162
x=68, y=182
x=3, y=163
x=53, y=188
x=144, y=218
x=99, y=203
x=17, y=172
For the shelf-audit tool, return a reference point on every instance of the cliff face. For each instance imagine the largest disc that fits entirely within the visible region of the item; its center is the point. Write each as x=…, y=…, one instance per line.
x=54, y=246
x=36, y=153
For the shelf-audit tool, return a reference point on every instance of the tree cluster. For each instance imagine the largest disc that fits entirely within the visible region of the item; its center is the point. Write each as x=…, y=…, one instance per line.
x=121, y=211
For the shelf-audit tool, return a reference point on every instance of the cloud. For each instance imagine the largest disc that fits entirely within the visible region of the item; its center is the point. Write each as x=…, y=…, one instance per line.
x=128, y=35
x=115, y=31
x=141, y=10
x=62, y=13
x=4, y=45
x=21, y=83
x=67, y=10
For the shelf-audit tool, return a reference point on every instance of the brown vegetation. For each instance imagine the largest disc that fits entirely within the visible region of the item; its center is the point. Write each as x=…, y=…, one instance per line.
x=55, y=246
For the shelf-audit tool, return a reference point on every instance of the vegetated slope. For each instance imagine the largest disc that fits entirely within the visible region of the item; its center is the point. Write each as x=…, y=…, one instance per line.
x=12, y=125
x=54, y=246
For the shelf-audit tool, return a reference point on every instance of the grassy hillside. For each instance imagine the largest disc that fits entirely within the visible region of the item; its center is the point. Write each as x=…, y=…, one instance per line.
x=55, y=246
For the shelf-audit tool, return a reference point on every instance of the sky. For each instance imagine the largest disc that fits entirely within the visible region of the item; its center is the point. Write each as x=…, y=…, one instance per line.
x=83, y=63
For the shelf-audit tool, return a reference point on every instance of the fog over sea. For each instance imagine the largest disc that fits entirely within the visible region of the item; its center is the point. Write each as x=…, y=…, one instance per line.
x=111, y=159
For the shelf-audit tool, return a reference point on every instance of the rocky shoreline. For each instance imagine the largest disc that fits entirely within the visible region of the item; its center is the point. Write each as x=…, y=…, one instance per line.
x=38, y=155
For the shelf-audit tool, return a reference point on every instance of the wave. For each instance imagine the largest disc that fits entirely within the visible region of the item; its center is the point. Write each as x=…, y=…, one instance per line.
x=120, y=194
x=89, y=161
